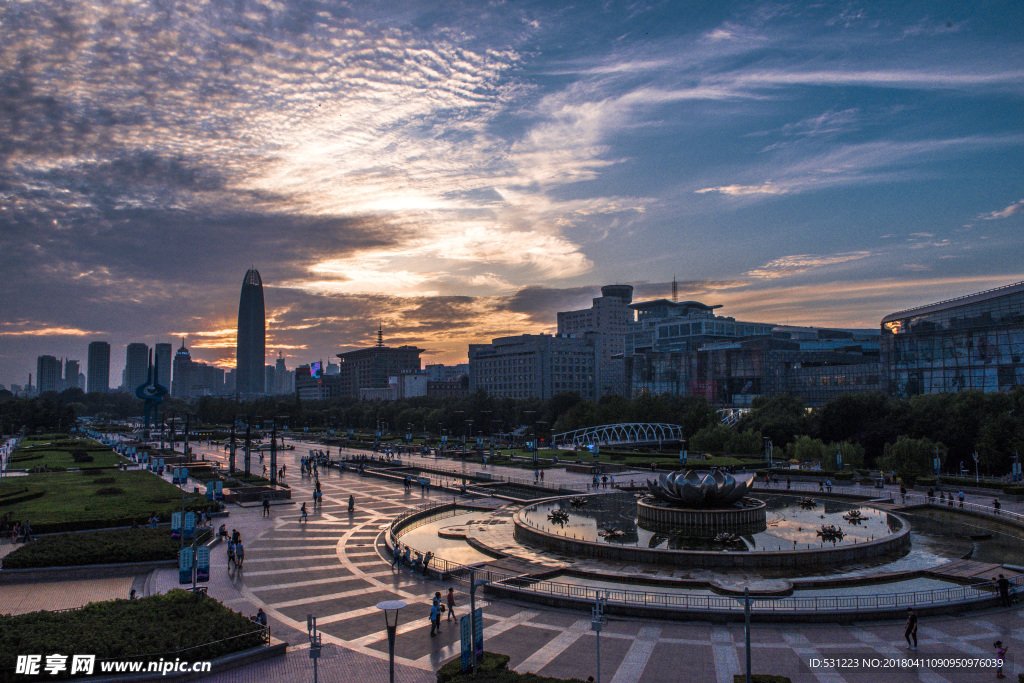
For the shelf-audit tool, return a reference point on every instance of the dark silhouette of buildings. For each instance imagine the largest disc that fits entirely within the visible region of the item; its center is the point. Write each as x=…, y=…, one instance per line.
x=163, y=354
x=182, y=387
x=48, y=374
x=99, y=366
x=136, y=366
x=251, y=349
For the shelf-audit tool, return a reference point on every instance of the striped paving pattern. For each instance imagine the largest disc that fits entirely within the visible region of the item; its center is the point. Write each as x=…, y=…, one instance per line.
x=333, y=566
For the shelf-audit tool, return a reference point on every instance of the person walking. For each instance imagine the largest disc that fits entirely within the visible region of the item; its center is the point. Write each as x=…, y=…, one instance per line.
x=435, y=614
x=231, y=555
x=996, y=504
x=304, y=516
x=396, y=560
x=910, y=632
x=451, y=603
x=960, y=497
x=240, y=553
x=266, y=507
x=903, y=494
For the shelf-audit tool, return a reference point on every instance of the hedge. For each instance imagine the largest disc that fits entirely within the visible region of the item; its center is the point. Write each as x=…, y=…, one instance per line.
x=175, y=624
x=112, y=546
x=492, y=668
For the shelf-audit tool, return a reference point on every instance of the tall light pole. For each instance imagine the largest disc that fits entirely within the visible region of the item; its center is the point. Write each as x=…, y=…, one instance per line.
x=390, y=609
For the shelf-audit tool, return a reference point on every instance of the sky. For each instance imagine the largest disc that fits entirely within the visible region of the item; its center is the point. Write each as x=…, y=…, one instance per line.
x=460, y=171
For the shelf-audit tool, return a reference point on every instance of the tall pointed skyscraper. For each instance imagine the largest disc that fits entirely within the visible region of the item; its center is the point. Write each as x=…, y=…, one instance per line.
x=251, y=349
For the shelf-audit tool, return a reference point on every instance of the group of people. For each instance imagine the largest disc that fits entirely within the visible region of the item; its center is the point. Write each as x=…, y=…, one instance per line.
x=236, y=551
x=437, y=608
x=15, y=530
x=604, y=482
x=401, y=557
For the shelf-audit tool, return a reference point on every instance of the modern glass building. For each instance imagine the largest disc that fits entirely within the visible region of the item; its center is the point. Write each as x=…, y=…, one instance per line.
x=973, y=342
x=99, y=367
x=251, y=348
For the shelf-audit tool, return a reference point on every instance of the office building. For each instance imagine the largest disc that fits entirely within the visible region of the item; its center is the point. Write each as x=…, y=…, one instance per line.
x=372, y=368
x=48, y=374
x=136, y=368
x=182, y=381
x=99, y=367
x=972, y=342
x=535, y=365
x=608, y=318
x=163, y=358
x=251, y=349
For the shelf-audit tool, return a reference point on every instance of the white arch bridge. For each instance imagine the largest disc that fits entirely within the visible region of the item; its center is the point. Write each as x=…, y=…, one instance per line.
x=632, y=433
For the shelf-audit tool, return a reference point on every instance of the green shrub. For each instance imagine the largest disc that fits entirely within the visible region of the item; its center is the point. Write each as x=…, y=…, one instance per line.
x=113, y=546
x=81, y=456
x=104, y=480
x=177, y=623
x=493, y=668
x=109, y=491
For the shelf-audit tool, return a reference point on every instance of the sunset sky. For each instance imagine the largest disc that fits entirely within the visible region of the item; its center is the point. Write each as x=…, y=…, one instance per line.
x=461, y=171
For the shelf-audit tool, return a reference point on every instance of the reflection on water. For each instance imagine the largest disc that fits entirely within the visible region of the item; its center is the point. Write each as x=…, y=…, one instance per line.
x=612, y=519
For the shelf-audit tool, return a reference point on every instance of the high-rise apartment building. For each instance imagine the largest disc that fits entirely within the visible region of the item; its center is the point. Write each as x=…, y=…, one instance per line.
x=608, y=318
x=70, y=374
x=48, y=374
x=162, y=359
x=371, y=368
x=99, y=367
x=136, y=367
x=251, y=348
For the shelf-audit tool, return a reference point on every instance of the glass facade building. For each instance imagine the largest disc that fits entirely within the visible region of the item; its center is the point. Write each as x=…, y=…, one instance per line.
x=974, y=342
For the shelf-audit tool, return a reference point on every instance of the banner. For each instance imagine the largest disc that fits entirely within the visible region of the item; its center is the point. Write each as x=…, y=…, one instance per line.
x=190, y=525
x=210, y=487
x=478, y=633
x=218, y=493
x=176, y=525
x=203, y=563
x=467, y=645
x=185, y=565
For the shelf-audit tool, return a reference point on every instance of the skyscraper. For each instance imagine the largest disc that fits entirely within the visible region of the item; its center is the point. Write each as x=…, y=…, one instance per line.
x=136, y=366
x=182, y=373
x=251, y=350
x=48, y=377
x=162, y=353
x=99, y=366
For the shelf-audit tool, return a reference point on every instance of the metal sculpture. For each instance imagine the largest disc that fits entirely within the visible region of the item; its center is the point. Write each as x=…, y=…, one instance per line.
x=691, y=489
x=152, y=392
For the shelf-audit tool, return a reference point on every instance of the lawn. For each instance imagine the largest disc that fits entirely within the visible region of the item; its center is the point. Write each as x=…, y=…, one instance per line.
x=98, y=547
x=56, y=455
x=70, y=501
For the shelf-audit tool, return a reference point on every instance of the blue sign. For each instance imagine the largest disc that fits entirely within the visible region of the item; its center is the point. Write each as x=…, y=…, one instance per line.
x=478, y=633
x=190, y=524
x=175, y=525
x=467, y=645
x=211, y=486
x=185, y=565
x=218, y=493
x=203, y=563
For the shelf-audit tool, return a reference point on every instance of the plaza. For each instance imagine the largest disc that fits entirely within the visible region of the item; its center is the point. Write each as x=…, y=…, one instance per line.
x=337, y=566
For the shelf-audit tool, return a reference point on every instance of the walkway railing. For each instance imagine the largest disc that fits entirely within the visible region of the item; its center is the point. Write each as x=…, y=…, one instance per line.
x=690, y=602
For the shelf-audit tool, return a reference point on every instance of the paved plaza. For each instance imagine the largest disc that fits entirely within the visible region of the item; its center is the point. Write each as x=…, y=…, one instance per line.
x=336, y=566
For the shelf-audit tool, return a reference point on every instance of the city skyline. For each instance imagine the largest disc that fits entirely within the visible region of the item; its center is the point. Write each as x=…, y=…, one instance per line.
x=466, y=174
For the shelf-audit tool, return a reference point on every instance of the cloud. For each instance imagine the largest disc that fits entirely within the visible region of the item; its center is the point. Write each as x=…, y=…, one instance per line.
x=787, y=266
x=44, y=332
x=742, y=190
x=1011, y=210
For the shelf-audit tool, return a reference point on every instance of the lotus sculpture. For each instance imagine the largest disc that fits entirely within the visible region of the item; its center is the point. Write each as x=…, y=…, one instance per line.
x=702, y=490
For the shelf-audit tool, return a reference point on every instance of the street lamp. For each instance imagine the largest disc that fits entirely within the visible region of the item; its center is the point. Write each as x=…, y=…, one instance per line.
x=390, y=609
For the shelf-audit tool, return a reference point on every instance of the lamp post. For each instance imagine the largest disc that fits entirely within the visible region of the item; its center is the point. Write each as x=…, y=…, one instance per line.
x=469, y=432
x=977, y=475
x=390, y=609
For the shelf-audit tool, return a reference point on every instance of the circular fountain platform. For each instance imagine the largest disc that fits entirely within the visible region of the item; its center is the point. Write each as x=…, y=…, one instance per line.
x=744, y=517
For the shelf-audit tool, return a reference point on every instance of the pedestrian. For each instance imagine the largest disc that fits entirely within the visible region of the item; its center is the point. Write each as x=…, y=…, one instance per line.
x=426, y=561
x=828, y=485
x=266, y=507
x=910, y=632
x=435, y=618
x=239, y=553
x=28, y=532
x=1000, y=656
x=903, y=494
x=396, y=560
x=304, y=516
x=451, y=603
x=821, y=485
x=960, y=497
x=231, y=555
x=996, y=504
x=789, y=483
x=1003, y=584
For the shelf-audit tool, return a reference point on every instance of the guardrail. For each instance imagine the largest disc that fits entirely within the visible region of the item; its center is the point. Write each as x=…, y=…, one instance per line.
x=879, y=602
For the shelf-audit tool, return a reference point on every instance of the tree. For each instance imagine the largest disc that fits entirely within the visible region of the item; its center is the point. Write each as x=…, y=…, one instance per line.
x=780, y=418
x=910, y=458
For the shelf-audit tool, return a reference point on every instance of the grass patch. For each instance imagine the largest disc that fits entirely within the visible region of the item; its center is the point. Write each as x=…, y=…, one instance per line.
x=97, y=547
x=64, y=454
x=67, y=501
x=177, y=624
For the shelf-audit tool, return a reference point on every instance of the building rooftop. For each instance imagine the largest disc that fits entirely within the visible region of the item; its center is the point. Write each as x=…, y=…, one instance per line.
x=957, y=302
